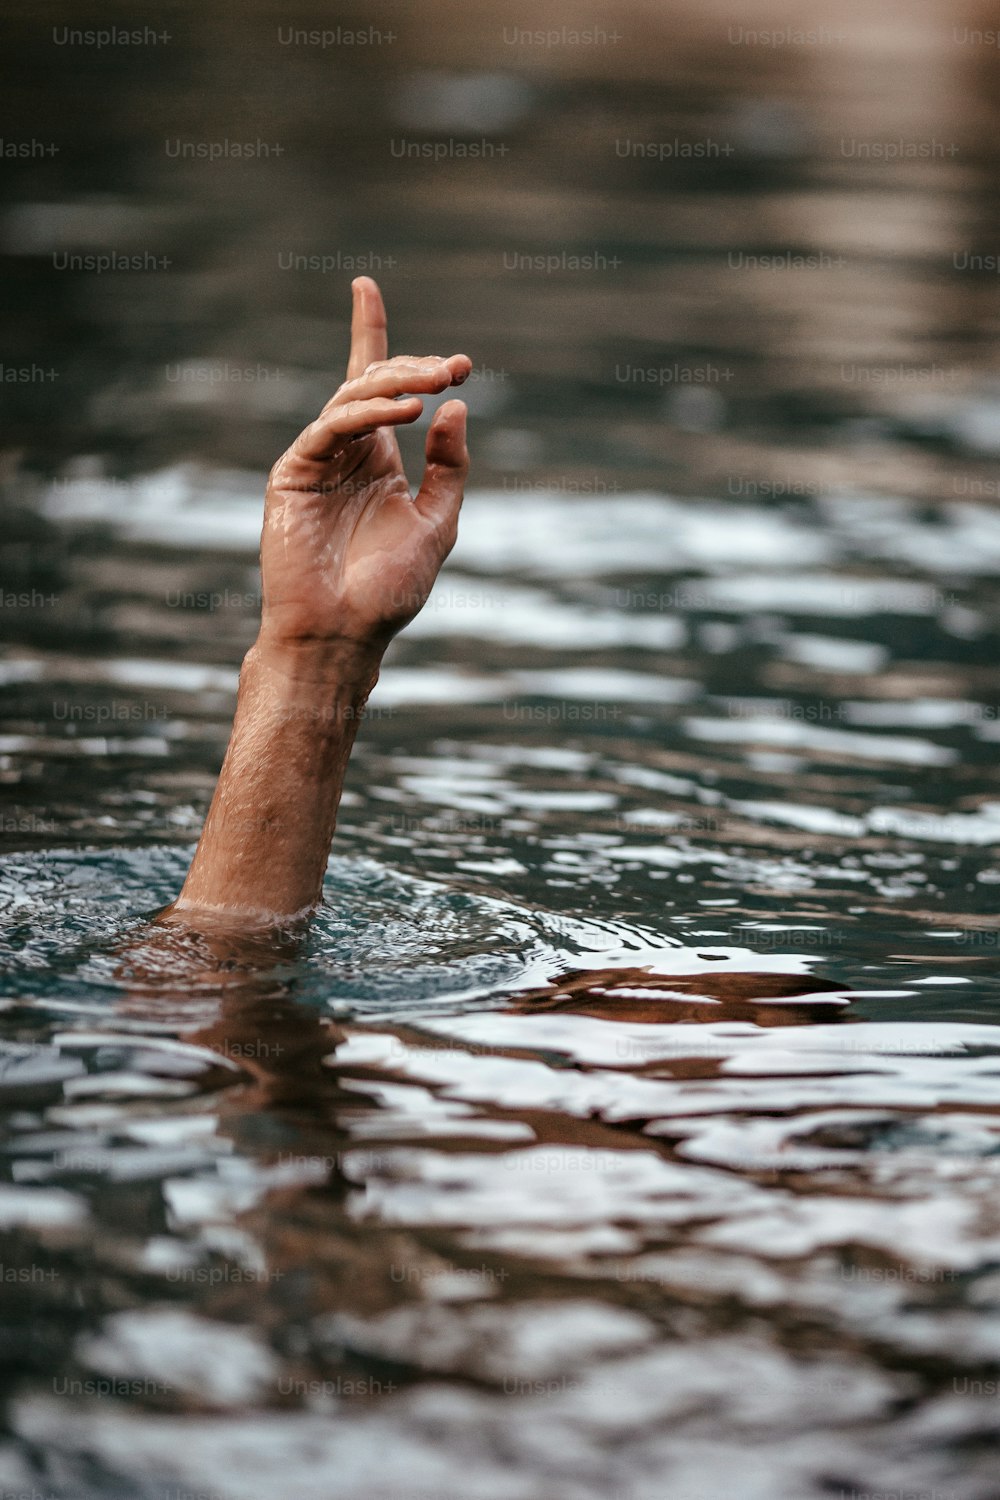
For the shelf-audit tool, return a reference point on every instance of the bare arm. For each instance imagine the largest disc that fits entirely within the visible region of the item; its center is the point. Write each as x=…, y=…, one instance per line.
x=348, y=557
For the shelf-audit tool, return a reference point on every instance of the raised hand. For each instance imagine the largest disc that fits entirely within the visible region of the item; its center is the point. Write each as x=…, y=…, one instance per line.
x=348, y=554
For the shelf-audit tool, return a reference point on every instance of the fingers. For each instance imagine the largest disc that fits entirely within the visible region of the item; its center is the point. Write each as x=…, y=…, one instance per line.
x=385, y=395
x=337, y=425
x=397, y=377
x=369, y=336
x=440, y=495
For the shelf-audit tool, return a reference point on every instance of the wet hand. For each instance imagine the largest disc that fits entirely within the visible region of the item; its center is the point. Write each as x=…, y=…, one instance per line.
x=348, y=554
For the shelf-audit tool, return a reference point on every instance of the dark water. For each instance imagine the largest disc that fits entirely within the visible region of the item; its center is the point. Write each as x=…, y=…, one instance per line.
x=628, y=1124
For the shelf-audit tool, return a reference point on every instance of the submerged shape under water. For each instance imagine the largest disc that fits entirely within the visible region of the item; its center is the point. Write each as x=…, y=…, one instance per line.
x=628, y=1119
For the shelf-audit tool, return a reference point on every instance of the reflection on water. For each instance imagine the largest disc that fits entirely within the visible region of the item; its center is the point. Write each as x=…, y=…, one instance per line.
x=633, y=1096
x=627, y=1123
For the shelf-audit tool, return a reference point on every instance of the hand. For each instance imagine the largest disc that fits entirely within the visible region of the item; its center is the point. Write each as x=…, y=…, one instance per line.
x=348, y=555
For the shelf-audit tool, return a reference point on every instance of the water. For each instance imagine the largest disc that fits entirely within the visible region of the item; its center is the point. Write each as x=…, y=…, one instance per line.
x=631, y=1106
x=626, y=1125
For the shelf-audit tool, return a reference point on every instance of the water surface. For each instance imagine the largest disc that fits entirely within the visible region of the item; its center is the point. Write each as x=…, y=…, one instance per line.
x=627, y=1123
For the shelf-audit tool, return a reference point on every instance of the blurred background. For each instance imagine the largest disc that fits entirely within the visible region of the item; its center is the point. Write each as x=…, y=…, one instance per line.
x=689, y=248
x=253, y=158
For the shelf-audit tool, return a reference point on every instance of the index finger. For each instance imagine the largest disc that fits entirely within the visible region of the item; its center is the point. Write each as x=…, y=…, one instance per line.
x=369, y=337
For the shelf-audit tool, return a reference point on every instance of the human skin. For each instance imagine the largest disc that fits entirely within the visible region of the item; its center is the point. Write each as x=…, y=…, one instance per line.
x=348, y=557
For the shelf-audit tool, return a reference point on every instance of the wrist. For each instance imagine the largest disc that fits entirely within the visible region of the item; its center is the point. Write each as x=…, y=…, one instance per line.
x=338, y=663
x=318, y=688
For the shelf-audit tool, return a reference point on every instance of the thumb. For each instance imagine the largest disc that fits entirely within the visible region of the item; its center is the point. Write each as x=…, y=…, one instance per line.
x=440, y=495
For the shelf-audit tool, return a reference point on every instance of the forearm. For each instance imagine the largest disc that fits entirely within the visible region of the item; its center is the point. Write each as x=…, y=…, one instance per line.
x=348, y=556
x=266, y=840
